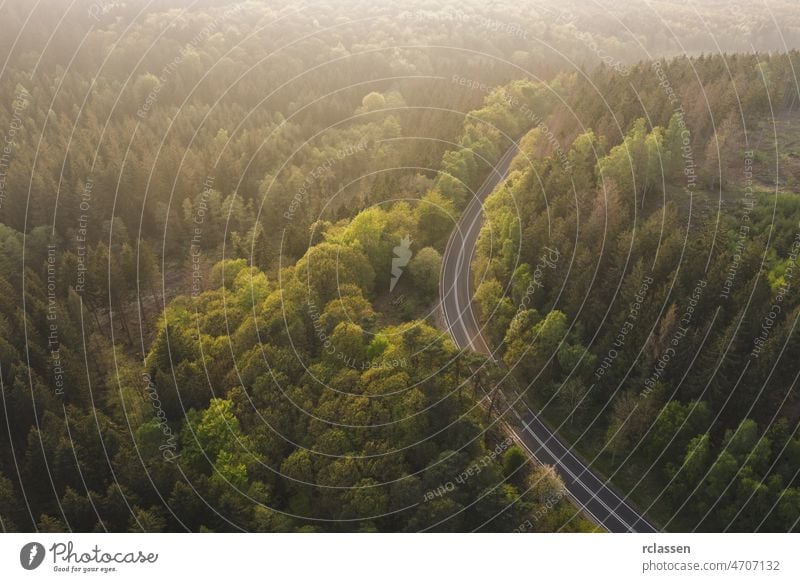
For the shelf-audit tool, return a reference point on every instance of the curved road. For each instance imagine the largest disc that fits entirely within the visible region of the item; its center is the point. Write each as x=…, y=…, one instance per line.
x=592, y=494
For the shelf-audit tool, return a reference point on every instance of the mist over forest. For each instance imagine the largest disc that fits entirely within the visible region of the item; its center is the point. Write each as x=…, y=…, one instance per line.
x=226, y=230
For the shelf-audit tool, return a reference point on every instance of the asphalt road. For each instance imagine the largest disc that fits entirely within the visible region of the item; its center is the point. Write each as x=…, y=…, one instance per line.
x=592, y=494
x=455, y=283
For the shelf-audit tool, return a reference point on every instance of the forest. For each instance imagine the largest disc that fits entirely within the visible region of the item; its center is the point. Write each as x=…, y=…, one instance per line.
x=646, y=289
x=221, y=237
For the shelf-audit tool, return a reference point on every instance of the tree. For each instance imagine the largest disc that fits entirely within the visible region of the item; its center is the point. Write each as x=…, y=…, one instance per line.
x=425, y=269
x=373, y=101
x=7, y=505
x=672, y=429
x=621, y=433
x=513, y=459
x=436, y=216
x=216, y=442
x=145, y=520
x=573, y=394
x=326, y=267
x=519, y=339
x=493, y=306
x=367, y=232
x=696, y=461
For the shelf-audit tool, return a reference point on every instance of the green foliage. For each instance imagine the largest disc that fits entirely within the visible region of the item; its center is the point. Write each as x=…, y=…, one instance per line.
x=228, y=356
x=513, y=459
x=669, y=287
x=425, y=268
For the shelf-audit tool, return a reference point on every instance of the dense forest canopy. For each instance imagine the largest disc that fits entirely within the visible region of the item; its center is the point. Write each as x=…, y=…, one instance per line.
x=221, y=238
x=646, y=291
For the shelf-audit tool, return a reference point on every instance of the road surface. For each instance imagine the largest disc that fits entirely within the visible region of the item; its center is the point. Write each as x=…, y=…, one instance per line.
x=591, y=493
x=455, y=282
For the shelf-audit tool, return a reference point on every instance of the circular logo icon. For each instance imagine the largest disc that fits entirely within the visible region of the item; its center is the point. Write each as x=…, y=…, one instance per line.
x=31, y=555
